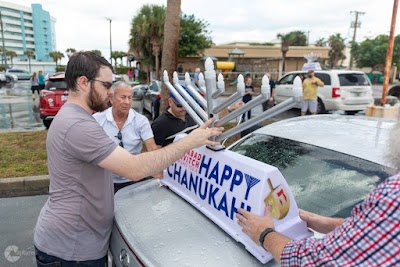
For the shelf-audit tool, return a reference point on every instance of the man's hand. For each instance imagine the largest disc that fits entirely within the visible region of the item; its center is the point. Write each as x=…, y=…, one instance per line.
x=320, y=223
x=200, y=136
x=253, y=225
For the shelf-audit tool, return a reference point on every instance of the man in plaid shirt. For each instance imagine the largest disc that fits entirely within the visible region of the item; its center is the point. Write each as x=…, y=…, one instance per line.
x=369, y=237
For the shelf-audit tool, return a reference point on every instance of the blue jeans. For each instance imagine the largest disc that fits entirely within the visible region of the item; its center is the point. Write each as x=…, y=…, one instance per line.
x=45, y=260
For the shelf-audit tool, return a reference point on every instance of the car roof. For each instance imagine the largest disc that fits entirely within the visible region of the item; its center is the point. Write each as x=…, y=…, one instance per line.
x=359, y=136
x=163, y=229
x=330, y=71
x=57, y=76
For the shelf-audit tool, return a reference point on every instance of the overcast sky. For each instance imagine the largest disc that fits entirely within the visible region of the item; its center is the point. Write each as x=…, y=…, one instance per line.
x=82, y=24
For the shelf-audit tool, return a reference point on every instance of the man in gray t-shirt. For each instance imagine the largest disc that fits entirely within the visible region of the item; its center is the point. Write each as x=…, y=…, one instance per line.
x=76, y=221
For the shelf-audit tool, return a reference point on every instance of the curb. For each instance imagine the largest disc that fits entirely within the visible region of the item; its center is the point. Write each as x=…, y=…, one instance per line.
x=24, y=186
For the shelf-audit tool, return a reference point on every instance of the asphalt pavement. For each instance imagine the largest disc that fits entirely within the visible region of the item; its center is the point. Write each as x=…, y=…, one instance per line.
x=18, y=219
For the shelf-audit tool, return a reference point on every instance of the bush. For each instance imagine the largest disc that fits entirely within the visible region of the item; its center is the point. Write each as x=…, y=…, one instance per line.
x=3, y=68
x=60, y=69
x=121, y=70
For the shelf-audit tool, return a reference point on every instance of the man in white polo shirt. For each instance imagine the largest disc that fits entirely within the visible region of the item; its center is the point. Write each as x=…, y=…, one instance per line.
x=125, y=126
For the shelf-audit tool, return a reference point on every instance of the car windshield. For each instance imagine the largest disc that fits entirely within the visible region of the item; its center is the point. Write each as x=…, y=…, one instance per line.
x=323, y=181
x=56, y=85
x=353, y=79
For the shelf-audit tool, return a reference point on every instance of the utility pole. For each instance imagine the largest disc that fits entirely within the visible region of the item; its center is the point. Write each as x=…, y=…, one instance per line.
x=389, y=53
x=2, y=39
x=110, y=20
x=355, y=25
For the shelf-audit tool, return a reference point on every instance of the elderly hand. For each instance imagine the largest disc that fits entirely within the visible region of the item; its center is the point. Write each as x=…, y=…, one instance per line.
x=253, y=224
x=201, y=135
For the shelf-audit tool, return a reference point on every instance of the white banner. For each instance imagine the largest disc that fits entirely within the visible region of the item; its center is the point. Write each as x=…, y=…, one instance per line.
x=218, y=183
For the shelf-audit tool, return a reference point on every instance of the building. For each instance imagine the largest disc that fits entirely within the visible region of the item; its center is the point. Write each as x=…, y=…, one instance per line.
x=27, y=28
x=257, y=59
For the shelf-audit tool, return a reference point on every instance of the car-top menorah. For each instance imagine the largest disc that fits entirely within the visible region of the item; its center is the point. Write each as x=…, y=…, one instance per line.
x=201, y=109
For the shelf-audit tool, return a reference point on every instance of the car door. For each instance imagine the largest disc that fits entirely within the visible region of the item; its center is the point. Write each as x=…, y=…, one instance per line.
x=150, y=95
x=284, y=87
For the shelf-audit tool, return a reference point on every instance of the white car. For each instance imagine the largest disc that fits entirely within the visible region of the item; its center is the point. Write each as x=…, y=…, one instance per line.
x=330, y=162
x=349, y=91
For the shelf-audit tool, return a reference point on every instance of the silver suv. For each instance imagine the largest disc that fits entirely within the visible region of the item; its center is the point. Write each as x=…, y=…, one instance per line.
x=345, y=90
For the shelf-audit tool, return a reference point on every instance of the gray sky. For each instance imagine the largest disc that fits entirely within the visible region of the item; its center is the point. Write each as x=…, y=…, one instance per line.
x=82, y=24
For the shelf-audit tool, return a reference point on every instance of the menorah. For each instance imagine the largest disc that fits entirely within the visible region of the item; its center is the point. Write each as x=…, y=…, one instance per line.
x=201, y=109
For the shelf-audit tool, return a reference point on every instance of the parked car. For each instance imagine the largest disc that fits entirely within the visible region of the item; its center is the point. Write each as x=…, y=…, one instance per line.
x=349, y=91
x=151, y=99
x=6, y=77
x=3, y=78
x=330, y=162
x=52, y=98
x=21, y=74
x=138, y=91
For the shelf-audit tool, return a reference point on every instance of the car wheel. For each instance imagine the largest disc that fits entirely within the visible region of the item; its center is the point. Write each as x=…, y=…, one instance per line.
x=46, y=123
x=8, y=79
x=395, y=91
x=320, y=107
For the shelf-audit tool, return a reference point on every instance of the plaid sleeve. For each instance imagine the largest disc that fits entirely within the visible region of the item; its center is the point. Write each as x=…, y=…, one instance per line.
x=369, y=237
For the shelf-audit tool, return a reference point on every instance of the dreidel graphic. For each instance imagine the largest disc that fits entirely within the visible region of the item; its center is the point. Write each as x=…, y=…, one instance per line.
x=279, y=201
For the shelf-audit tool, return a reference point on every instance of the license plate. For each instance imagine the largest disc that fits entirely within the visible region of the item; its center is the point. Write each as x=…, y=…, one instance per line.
x=358, y=94
x=64, y=98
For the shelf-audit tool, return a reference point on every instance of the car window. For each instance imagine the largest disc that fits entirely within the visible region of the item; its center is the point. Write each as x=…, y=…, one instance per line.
x=352, y=79
x=288, y=79
x=154, y=87
x=324, y=77
x=56, y=85
x=322, y=181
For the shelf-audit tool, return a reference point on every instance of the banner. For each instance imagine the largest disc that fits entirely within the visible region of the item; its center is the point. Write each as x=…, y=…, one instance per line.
x=218, y=183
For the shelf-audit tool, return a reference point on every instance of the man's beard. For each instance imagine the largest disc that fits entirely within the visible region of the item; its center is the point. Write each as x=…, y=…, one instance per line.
x=95, y=102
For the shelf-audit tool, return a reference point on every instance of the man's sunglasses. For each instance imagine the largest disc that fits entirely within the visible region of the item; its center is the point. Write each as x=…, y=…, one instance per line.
x=119, y=136
x=107, y=85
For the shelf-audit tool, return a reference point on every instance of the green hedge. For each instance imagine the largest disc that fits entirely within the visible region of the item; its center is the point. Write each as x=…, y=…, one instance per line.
x=121, y=70
x=60, y=68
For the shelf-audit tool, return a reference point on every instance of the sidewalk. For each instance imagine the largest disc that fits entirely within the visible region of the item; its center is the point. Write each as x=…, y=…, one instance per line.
x=24, y=186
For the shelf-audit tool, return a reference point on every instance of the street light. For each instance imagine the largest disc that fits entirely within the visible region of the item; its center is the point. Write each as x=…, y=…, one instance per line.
x=110, y=20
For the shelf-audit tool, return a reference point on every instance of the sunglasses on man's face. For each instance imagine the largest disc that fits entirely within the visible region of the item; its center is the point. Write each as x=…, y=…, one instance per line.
x=107, y=85
x=119, y=136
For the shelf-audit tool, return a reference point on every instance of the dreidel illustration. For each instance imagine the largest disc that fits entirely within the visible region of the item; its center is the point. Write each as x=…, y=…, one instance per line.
x=279, y=200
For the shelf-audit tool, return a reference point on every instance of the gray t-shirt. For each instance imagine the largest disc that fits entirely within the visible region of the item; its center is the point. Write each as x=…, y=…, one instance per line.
x=76, y=221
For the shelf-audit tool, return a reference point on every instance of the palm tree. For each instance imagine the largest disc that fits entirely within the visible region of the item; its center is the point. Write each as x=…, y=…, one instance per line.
x=115, y=56
x=171, y=39
x=147, y=34
x=56, y=56
x=11, y=54
x=30, y=54
x=336, y=42
x=98, y=52
x=70, y=51
x=297, y=38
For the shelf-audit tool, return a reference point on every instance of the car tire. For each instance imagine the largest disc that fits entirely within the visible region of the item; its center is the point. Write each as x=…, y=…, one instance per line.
x=395, y=91
x=320, y=107
x=8, y=80
x=46, y=123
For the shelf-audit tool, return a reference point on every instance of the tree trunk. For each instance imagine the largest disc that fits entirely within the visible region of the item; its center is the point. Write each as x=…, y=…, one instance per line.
x=170, y=47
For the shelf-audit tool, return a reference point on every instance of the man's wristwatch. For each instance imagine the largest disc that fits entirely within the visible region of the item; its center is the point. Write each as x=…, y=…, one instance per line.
x=264, y=234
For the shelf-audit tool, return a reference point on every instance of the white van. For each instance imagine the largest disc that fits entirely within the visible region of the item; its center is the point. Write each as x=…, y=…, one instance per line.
x=345, y=90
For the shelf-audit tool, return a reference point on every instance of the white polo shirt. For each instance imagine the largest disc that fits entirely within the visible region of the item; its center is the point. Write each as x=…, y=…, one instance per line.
x=135, y=130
